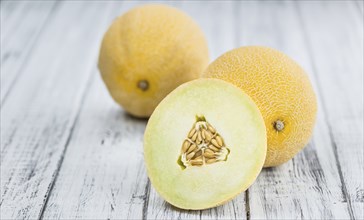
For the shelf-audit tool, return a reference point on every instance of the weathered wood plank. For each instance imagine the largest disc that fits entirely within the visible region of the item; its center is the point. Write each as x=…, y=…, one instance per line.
x=217, y=22
x=17, y=43
x=6, y=10
x=160, y=209
x=103, y=174
x=308, y=186
x=105, y=159
x=11, y=14
x=39, y=115
x=338, y=64
x=17, y=15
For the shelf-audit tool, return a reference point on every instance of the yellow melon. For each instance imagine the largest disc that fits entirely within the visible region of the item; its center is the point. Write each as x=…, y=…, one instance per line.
x=281, y=90
x=149, y=51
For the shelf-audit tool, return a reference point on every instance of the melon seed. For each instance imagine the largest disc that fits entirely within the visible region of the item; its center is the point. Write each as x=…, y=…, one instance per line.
x=209, y=154
x=193, y=146
x=212, y=147
x=209, y=161
x=207, y=135
x=194, y=137
x=219, y=140
x=190, y=155
x=211, y=128
x=203, y=145
x=192, y=132
x=185, y=146
x=214, y=142
x=196, y=162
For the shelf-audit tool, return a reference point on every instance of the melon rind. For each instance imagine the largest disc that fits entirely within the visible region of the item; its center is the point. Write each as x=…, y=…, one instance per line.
x=281, y=89
x=235, y=117
x=153, y=43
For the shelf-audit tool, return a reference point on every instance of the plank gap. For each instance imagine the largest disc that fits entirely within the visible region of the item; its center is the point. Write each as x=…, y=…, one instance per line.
x=247, y=205
x=146, y=200
x=324, y=108
x=343, y=185
x=70, y=135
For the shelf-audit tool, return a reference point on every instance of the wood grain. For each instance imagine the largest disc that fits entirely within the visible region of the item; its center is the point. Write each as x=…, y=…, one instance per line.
x=103, y=174
x=308, y=186
x=69, y=152
x=113, y=154
x=105, y=159
x=11, y=13
x=341, y=87
x=38, y=117
x=20, y=31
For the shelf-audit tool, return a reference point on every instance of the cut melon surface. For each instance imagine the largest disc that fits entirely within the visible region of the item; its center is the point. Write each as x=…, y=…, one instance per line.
x=225, y=133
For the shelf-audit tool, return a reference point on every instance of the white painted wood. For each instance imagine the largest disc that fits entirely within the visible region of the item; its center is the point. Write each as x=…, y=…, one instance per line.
x=69, y=152
x=360, y=5
x=104, y=160
x=160, y=209
x=308, y=186
x=6, y=9
x=217, y=21
x=11, y=14
x=338, y=66
x=18, y=39
x=38, y=117
x=103, y=174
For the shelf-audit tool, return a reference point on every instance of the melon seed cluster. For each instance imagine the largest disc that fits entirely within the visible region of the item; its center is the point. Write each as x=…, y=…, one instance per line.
x=203, y=145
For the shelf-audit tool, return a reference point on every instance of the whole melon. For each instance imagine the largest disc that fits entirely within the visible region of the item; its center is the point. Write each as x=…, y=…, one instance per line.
x=282, y=91
x=149, y=51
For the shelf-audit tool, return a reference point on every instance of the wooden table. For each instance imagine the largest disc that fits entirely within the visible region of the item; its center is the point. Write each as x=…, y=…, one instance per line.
x=68, y=151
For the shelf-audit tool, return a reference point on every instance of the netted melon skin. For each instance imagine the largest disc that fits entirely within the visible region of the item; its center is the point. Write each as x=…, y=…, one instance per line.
x=282, y=91
x=153, y=43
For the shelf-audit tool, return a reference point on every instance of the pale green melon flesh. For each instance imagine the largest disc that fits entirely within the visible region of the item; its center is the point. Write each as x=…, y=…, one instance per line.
x=234, y=116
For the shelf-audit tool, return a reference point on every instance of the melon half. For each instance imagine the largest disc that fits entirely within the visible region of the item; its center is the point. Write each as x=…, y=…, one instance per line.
x=204, y=144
